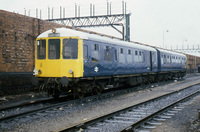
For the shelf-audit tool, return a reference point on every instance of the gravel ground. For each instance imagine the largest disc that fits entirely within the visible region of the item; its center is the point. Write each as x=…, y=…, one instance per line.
x=184, y=121
x=70, y=115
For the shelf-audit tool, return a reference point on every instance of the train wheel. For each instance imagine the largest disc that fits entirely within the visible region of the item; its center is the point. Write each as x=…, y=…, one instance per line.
x=98, y=90
x=80, y=93
x=56, y=94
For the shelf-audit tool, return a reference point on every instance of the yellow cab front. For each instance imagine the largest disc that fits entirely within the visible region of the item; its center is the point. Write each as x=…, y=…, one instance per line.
x=59, y=57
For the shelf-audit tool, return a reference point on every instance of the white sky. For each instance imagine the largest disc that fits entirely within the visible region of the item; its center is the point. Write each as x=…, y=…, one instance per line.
x=149, y=19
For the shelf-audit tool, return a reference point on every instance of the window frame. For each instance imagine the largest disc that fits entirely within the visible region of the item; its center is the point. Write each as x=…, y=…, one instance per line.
x=38, y=49
x=96, y=50
x=122, y=56
x=72, y=53
x=107, y=53
x=85, y=47
x=49, y=53
x=129, y=56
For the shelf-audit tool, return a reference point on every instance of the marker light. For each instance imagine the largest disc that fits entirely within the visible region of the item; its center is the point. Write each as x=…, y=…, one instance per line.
x=70, y=71
x=35, y=72
x=53, y=30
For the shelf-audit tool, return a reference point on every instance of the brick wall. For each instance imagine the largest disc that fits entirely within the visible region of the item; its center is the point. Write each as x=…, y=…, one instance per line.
x=17, y=38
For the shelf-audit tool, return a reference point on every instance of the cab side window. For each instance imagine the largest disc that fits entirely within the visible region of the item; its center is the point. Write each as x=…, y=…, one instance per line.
x=41, y=49
x=70, y=48
x=85, y=52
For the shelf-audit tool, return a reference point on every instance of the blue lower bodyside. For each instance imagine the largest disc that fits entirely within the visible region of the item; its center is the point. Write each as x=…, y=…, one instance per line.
x=99, y=69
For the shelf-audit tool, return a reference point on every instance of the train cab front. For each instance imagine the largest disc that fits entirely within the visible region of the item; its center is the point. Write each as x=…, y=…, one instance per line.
x=58, y=61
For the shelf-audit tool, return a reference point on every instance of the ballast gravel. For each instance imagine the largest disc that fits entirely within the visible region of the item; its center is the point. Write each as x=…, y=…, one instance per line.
x=185, y=120
x=59, y=118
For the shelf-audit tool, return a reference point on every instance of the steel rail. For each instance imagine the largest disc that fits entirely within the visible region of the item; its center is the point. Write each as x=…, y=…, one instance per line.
x=74, y=101
x=144, y=120
x=24, y=103
x=84, y=124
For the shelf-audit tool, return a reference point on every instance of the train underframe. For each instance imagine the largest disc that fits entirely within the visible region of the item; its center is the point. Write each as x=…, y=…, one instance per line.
x=78, y=87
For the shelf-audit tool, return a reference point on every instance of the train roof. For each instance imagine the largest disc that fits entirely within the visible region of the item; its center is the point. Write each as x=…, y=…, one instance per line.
x=66, y=32
x=171, y=52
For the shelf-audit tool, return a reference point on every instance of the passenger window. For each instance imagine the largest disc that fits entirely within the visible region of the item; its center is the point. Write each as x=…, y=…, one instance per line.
x=121, y=56
x=143, y=57
x=70, y=48
x=121, y=51
x=162, y=60
x=115, y=54
x=165, y=59
x=95, y=53
x=129, y=57
x=136, y=53
x=154, y=58
x=168, y=59
x=96, y=47
x=41, y=49
x=54, y=49
x=136, y=57
x=140, y=56
x=107, y=54
x=129, y=52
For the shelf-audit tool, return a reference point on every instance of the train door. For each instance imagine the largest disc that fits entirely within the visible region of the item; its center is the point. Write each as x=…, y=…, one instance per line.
x=151, y=63
x=91, y=59
x=115, y=60
x=92, y=64
x=107, y=62
x=86, y=60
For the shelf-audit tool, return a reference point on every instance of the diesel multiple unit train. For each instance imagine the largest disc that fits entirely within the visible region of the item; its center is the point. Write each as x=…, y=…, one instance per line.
x=71, y=61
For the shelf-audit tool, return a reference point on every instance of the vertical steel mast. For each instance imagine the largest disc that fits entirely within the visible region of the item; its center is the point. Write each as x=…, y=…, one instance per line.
x=112, y=20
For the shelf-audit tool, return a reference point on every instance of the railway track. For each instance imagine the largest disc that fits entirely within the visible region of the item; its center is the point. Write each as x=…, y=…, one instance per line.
x=30, y=106
x=36, y=106
x=27, y=107
x=145, y=115
x=54, y=109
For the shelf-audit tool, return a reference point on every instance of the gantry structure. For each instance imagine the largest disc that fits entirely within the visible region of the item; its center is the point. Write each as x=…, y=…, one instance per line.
x=114, y=20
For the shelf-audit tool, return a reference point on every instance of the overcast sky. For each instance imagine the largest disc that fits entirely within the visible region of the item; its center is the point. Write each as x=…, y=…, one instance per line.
x=149, y=18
